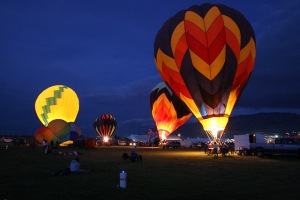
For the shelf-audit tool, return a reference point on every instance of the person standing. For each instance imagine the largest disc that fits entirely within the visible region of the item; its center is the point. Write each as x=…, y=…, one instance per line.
x=45, y=146
x=216, y=148
x=223, y=149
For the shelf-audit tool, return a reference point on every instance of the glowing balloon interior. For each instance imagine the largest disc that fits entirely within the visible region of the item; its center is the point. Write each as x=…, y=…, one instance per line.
x=168, y=111
x=206, y=55
x=57, y=102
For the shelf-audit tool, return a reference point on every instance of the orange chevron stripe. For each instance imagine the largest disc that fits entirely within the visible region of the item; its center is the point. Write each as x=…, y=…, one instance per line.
x=178, y=88
x=180, y=51
x=233, y=35
x=217, y=46
x=169, y=73
x=177, y=34
x=163, y=59
x=195, y=19
x=233, y=43
x=250, y=48
x=197, y=48
x=209, y=71
x=196, y=32
x=210, y=16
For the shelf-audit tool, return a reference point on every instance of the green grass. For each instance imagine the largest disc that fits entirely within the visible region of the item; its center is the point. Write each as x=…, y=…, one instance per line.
x=163, y=174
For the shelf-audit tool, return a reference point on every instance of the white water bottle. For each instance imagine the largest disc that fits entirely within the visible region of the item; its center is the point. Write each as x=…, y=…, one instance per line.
x=123, y=179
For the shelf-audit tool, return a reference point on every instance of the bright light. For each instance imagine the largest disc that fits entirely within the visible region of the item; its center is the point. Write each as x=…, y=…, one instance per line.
x=132, y=144
x=214, y=127
x=105, y=139
x=163, y=135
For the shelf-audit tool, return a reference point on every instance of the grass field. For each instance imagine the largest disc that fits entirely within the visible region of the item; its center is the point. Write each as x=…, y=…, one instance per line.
x=163, y=174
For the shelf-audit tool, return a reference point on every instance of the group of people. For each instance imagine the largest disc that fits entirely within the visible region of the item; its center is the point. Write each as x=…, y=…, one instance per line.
x=47, y=148
x=216, y=148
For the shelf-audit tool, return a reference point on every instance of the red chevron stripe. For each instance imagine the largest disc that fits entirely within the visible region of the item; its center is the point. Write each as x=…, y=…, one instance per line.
x=197, y=47
x=195, y=32
x=214, y=30
x=233, y=43
x=217, y=46
x=180, y=51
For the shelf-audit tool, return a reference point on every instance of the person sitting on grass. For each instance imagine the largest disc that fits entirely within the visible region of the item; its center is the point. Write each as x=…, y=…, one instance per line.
x=135, y=156
x=75, y=167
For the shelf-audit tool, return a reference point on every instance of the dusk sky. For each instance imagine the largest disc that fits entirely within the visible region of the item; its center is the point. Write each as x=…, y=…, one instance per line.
x=104, y=51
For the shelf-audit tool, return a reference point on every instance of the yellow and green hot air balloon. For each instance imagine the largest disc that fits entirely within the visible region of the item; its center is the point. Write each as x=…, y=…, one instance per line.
x=57, y=102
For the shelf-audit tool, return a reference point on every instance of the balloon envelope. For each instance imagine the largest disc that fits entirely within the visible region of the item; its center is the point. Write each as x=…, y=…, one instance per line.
x=57, y=102
x=75, y=128
x=59, y=128
x=44, y=133
x=168, y=111
x=105, y=125
x=206, y=55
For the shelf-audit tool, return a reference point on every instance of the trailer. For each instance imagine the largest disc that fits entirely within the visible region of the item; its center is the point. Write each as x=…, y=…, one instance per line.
x=242, y=143
x=260, y=145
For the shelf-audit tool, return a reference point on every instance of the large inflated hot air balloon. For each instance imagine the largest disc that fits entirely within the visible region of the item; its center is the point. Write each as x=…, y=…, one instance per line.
x=206, y=55
x=105, y=126
x=168, y=111
x=57, y=102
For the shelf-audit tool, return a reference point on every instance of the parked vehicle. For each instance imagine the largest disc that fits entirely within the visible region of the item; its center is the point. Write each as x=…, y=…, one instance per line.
x=171, y=144
x=19, y=141
x=123, y=143
x=258, y=145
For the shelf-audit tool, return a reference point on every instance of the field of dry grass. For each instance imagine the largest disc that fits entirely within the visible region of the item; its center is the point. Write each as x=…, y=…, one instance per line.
x=163, y=174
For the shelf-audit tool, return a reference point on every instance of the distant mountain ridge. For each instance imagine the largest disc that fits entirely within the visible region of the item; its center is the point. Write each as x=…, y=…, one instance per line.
x=268, y=123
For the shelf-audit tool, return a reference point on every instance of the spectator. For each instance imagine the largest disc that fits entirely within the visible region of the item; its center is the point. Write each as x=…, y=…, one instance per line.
x=75, y=167
x=135, y=156
x=45, y=146
x=205, y=147
x=223, y=149
x=215, y=150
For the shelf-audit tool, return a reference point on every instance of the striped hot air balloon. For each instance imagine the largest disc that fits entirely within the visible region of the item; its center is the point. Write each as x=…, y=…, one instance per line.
x=206, y=55
x=105, y=126
x=57, y=102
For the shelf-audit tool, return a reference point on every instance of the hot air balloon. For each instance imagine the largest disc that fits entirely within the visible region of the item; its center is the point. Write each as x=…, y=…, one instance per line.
x=44, y=133
x=60, y=128
x=168, y=111
x=206, y=55
x=75, y=131
x=57, y=102
x=105, y=126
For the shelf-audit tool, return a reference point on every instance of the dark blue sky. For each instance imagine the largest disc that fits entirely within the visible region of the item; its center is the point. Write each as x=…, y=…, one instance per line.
x=103, y=50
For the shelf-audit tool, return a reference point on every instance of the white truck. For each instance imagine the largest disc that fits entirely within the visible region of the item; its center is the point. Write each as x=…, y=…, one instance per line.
x=260, y=145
